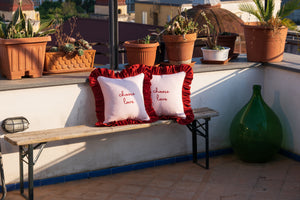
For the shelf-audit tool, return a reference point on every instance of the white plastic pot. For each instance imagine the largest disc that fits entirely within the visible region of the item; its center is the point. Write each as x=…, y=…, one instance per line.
x=215, y=55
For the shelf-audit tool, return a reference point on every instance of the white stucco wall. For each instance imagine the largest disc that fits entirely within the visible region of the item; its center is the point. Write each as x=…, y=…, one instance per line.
x=53, y=107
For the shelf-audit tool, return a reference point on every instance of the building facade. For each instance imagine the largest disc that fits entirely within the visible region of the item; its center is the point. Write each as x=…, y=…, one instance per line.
x=158, y=12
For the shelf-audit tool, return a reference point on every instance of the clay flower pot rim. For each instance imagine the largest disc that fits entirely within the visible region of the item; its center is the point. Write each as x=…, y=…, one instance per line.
x=168, y=35
x=256, y=25
x=134, y=43
x=25, y=40
x=180, y=38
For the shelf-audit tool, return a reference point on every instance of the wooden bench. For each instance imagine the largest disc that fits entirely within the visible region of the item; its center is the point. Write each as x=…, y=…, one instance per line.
x=28, y=141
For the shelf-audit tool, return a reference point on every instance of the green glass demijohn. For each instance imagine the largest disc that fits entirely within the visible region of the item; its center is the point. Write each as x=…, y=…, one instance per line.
x=256, y=132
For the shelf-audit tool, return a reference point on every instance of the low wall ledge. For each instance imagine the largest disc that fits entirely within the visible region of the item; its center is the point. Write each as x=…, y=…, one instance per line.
x=291, y=62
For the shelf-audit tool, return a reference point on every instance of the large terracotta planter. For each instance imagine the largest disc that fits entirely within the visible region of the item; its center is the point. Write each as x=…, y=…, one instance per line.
x=264, y=44
x=138, y=53
x=23, y=56
x=179, y=48
x=59, y=62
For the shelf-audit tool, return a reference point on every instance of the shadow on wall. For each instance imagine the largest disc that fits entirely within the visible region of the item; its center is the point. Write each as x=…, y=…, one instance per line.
x=286, y=127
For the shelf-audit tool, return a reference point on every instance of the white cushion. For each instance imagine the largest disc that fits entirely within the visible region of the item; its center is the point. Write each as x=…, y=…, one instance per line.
x=123, y=98
x=166, y=94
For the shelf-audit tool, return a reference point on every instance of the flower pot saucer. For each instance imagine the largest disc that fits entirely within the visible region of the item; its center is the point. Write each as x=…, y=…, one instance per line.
x=234, y=56
x=214, y=61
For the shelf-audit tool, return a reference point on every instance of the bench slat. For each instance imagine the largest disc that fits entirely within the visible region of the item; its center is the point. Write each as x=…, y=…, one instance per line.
x=34, y=137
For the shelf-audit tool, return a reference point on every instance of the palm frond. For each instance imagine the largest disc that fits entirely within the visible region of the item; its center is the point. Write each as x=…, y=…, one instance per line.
x=288, y=8
x=260, y=8
x=289, y=23
x=251, y=10
x=269, y=10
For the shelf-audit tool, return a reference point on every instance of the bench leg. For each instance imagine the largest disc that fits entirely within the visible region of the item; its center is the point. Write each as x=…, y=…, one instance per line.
x=201, y=129
x=30, y=172
x=194, y=141
x=30, y=162
x=206, y=143
x=21, y=168
x=4, y=191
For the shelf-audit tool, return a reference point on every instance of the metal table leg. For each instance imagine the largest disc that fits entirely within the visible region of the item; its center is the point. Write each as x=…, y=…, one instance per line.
x=201, y=129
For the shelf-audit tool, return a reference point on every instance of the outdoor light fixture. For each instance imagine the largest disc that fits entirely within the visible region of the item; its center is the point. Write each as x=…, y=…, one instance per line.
x=15, y=124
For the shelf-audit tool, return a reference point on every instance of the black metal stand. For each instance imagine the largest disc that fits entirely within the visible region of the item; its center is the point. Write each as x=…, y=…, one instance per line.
x=198, y=128
x=4, y=191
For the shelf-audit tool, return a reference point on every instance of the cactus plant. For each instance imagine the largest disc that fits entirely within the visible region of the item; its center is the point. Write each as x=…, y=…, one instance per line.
x=19, y=27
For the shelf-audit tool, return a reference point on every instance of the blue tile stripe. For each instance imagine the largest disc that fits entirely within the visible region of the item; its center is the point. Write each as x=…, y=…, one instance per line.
x=290, y=155
x=132, y=167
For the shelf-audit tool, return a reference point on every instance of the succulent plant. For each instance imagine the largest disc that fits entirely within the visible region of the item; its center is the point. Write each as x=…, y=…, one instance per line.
x=53, y=49
x=73, y=47
x=80, y=52
x=68, y=48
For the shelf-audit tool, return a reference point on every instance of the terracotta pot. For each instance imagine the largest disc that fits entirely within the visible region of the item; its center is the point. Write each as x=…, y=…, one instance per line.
x=180, y=49
x=59, y=62
x=264, y=44
x=23, y=56
x=138, y=53
x=227, y=41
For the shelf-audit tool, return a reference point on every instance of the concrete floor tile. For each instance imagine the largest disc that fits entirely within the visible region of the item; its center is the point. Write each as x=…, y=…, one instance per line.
x=227, y=179
x=129, y=189
x=155, y=192
x=181, y=195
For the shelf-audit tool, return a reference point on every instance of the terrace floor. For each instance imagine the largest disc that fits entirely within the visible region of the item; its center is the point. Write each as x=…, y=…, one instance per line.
x=227, y=179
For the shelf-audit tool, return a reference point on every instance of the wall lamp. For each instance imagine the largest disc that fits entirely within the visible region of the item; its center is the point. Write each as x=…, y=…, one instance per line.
x=15, y=124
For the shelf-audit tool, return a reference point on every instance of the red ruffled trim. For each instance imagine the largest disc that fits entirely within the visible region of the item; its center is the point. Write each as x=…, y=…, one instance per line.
x=185, y=89
x=99, y=100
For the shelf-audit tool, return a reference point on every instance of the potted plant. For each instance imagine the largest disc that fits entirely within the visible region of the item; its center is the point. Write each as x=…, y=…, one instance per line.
x=70, y=54
x=22, y=51
x=141, y=51
x=179, y=37
x=265, y=40
x=212, y=51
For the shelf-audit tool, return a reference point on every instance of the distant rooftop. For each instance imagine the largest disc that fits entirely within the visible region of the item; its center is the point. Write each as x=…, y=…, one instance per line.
x=166, y=2
x=12, y=5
